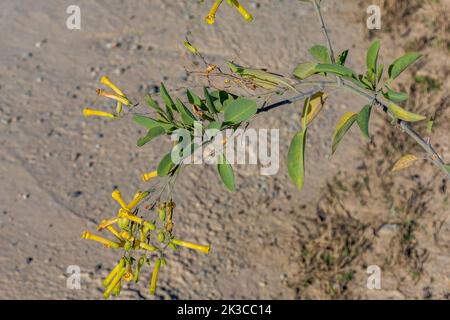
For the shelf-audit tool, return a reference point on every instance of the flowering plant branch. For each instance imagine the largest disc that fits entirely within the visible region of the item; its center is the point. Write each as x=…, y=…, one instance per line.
x=222, y=109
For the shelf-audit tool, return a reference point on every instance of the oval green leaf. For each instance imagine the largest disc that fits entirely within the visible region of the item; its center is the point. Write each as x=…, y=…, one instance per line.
x=151, y=134
x=342, y=127
x=165, y=165
x=296, y=158
x=363, y=120
x=239, y=110
x=402, y=63
x=226, y=173
x=320, y=53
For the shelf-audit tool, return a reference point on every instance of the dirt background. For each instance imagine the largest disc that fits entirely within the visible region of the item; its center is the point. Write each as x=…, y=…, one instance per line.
x=57, y=170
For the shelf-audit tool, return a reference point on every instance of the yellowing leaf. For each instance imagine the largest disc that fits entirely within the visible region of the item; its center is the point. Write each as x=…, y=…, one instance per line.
x=313, y=106
x=342, y=127
x=402, y=114
x=404, y=162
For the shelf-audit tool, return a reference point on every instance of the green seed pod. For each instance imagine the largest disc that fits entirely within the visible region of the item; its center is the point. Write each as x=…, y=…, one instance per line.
x=138, y=268
x=173, y=246
x=128, y=245
x=123, y=223
x=162, y=214
x=161, y=237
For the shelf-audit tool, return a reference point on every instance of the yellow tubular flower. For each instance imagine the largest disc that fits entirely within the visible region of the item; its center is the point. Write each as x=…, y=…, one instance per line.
x=116, y=195
x=211, y=17
x=105, y=223
x=117, y=288
x=107, y=243
x=114, y=283
x=190, y=245
x=128, y=275
x=137, y=199
x=113, y=273
x=155, y=276
x=97, y=113
x=125, y=214
x=114, y=232
x=105, y=80
x=247, y=16
x=150, y=175
x=113, y=96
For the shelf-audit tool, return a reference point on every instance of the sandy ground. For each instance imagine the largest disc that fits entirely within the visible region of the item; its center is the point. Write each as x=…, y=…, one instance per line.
x=57, y=170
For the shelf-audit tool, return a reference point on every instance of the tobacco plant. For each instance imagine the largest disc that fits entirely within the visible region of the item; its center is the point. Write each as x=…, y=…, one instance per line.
x=143, y=228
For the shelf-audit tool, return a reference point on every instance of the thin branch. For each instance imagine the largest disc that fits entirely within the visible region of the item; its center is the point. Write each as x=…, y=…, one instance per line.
x=405, y=127
x=327, y=37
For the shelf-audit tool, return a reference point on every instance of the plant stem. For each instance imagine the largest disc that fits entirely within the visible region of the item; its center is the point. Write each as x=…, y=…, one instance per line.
x=327, y=37
x=405, y=127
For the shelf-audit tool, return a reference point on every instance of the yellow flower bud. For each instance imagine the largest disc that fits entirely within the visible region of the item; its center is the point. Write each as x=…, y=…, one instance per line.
x=210, y=18
x=247, y=16
x=148, y=176
x=114, y=232
x=118, y=107
x=116, y=195
x=155, y=276
x=114, y=283
x=137, y=199
x=190, y=245
x=105, y=223
x=107, y=243
x=161, y=237
x=116, y=291
x=114, y=96
x=90, y=112
x=114, y=272
x=105, y=80
x=147, y=246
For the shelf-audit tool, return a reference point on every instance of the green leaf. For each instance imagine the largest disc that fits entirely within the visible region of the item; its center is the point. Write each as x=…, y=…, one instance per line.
x=239, y=110
x=152, y=133
x=226, y=173
x=395, y=96
x=380, y=70
x=320, y=53
x=342, y=58
x=153, y=104
x=403, y=114
x=209, y=101
x=186, y=115
x=305, y=70
x=402, y=63
x=195, y=100
x=167, y=100
x=372, y=56
x=342, y=127
x=336, y=69
x=363, y=120
x=165, y=165
x=296, y=158
x=150, y=123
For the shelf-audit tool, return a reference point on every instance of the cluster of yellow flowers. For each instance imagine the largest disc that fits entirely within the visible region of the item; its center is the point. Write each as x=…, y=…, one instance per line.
x=136, y=234
x=211, y=17
x=118, y=96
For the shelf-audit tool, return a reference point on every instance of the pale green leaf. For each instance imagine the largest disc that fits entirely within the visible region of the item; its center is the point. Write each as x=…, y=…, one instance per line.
x=296, y=158
x=402, y=63
x=342, y=127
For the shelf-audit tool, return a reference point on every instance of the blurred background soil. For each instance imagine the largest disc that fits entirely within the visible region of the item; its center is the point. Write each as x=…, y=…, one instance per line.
x=269, y=241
